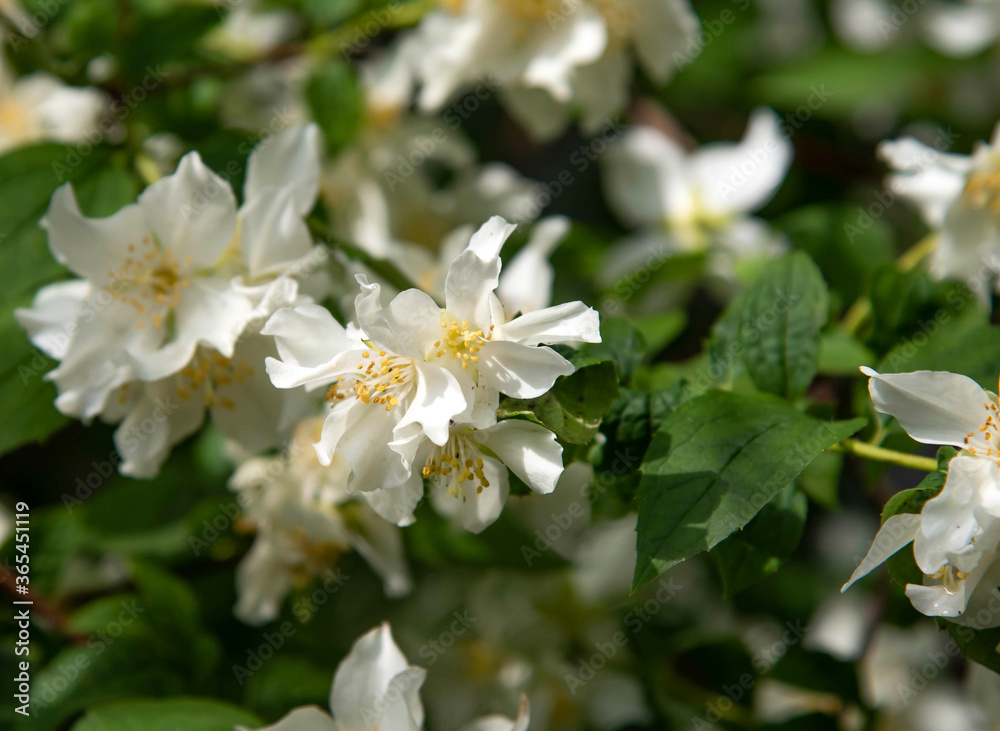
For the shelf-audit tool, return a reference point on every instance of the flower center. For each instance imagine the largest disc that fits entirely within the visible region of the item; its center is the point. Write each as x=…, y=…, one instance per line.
x=149, y=281
x=461, y=343
x=986, y=440
x=383, y=379
x=456, y=463
x=209, y=374
x=982, y=190
x=950, y=577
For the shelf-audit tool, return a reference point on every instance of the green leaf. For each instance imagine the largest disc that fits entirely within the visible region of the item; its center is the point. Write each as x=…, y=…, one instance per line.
x=768, y=540
x=335, y=100
x=773, y=327
x=842, y=355
x=573, y=408
x=977, y=645
x=190, y=714
x=961, y=345
x=711, y=467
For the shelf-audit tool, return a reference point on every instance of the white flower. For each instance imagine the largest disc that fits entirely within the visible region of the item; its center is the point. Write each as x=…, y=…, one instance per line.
x=415, y=369
x=471, y=485
x=169, y=286
x=550, y=59
x=249, y=31
x=955, y=539
x=526, y=281
x=960, y=29
x=661, y=33
x=40, y=107
x=959, y=198
x=696, y=201
x=956, y=535
x=509, y=41
x=374, y=688
x=305, y=520
x=937, y=407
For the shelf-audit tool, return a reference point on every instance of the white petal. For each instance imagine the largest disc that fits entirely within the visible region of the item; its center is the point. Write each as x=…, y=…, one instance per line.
x=159, y=420
x=934, y=407
x=192, y=212
x=289, y=161
x=502, y=723
x=51, y=319
x=897, y=532
x=519, y=370
x=91, y=247
x=579, y=40
x=439, y=397
x=381, y=544
x=953, y=517
x=307, y=718
x=526, y=282
x=475, y=273
x=528, y=449
x=660, y=29
x=308, y=335
x=646, y=177
x=408, y=326
x=394, y=506
x=263, y=580
x=571, y=322
x=272, y=233
x=364, y=677
x=742, y=177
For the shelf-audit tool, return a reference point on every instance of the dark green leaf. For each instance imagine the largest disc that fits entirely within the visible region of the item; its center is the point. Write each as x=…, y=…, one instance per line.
x=759, y=549
x=773, y=327
x=713, y=464
x=190, y=714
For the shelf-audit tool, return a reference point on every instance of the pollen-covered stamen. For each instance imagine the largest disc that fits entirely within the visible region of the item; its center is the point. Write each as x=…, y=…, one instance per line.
x=985, y=441
x=150, y=281
x=982, y=190
x=210, y=374
x=456, y=463
x=381, y=379
x=950, y=577
x=461, y=343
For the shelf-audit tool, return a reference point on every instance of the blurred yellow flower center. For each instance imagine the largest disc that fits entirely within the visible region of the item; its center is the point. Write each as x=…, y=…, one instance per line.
x=150, y=282
x=210, y=373
x=982, y=190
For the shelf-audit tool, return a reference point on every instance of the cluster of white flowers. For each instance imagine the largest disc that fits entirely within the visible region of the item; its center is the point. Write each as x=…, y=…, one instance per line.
x=551, y=59
x=698, y=201
x=956, y=536
x=375, y=687
x=959, y=199
x=413, y=387
x=164, y=321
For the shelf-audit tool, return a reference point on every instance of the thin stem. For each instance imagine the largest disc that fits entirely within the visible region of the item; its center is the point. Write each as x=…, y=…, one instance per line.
x=881, y=454
x=858, y=313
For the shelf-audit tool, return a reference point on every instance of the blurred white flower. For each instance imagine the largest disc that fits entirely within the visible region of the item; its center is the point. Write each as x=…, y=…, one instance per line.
x=697, y=201
x=526, y=281
x=249, y=31
x=959, y=198
x=374, y=687
x=550, y=59
x=170, y=285
x=39, y=107
x=960, y=29
x=305, y=519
